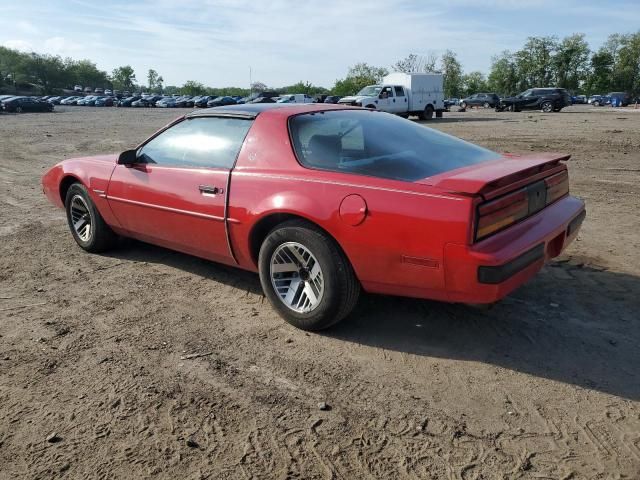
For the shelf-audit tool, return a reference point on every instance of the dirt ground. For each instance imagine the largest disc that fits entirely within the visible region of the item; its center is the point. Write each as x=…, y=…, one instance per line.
x=546, y=385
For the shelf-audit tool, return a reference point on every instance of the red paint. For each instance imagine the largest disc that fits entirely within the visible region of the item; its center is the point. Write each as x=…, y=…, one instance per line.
x=353, y=210
x=402, y=238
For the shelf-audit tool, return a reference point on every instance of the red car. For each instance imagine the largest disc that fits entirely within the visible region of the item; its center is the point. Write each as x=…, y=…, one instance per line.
x=324, y=201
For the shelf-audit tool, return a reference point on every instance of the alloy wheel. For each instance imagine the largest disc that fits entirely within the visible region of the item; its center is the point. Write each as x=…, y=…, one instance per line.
x=297, y=277
x=81, y=218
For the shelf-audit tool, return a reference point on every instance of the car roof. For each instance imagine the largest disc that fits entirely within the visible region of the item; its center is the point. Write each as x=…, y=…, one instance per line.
x=252, y=110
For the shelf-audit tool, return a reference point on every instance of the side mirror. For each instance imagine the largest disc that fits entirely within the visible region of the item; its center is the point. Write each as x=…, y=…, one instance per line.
x=128, y=157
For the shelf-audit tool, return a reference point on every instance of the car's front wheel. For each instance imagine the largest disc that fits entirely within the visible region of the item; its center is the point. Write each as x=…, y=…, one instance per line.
x=306, y=276
x=87, y=226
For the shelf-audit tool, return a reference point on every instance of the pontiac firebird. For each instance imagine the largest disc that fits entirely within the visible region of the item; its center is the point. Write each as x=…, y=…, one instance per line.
x=324, y=201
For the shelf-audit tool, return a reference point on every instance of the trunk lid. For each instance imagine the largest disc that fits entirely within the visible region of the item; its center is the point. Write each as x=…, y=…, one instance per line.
x=494, y=178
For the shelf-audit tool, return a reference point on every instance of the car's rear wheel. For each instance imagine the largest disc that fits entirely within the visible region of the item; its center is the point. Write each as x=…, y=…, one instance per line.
x=306, y=276
x=87, y=226
x=463, y=105
x=486, y=105
x=596, y=103
x=546, y=107
x=427, y=114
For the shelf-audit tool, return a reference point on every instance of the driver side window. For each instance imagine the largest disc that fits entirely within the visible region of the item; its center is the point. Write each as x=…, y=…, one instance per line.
x=212, y=142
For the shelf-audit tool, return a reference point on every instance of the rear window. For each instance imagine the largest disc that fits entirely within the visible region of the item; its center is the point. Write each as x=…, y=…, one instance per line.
x=378, y=145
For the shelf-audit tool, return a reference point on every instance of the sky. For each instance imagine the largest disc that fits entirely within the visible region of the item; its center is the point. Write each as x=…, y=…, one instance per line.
x=218, y=42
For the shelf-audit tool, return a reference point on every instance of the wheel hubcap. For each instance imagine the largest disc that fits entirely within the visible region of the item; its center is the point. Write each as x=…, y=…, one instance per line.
x=81, y=218
x=296, y=277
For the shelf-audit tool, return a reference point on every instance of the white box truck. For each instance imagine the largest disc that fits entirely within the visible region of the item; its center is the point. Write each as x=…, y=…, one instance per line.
x=404, y=94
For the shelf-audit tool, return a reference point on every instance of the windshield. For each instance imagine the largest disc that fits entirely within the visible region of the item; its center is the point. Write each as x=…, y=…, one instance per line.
x=370, y=91
x=379, y=145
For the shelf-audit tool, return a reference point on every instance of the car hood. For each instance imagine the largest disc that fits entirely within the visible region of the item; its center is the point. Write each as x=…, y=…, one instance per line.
x=353, y=98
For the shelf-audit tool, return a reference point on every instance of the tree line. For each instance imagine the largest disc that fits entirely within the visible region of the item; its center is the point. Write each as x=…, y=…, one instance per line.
x=541, y=62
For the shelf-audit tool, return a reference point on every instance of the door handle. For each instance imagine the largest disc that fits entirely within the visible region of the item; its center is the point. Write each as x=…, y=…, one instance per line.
x=210, y=190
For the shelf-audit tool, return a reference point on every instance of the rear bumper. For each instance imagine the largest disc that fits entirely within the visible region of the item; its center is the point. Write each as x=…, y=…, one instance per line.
x=491, y=269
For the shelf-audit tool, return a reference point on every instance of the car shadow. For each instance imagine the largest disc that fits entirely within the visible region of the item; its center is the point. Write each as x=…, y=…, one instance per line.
x=575, y=322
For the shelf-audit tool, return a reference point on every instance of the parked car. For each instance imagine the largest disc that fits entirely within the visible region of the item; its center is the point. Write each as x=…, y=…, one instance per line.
x=166, y=102
x=104, y=102
x=26, y=104
x=148, y=101
x=221, y=101
x=263, y=100
x=332, y=99
x=88, y=90
x=622, y=98
x=70, y=100
x=486, y=100
x=77, y=88
x=108, y=92
x=451, y=102
x=296, y=98
x=579, y=99
x=259, y=95
x=99, y=90
x=545, y=99
x=202, y=101
x=599, y=100
x=126, y=93
x=126, y=102
x=83, y=101
x=53, y=100
x=480, y=224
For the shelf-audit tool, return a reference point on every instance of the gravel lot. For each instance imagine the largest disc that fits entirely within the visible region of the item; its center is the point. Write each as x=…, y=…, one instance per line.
x=545, y=384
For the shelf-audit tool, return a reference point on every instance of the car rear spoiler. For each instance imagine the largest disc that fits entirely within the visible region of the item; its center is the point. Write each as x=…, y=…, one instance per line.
x=494, y=178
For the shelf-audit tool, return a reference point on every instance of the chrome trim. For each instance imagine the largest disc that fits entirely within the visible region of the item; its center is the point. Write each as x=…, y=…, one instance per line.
x=167, y=209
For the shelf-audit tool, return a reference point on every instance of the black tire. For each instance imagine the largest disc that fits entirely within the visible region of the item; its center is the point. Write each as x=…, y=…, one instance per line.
x=341, y=287
x=371, y=106
x=427, y=114
x=101, y=237
x=18, y=109
x=546, y=107
x=596, y=103
x=463, y=105
x=486, y=105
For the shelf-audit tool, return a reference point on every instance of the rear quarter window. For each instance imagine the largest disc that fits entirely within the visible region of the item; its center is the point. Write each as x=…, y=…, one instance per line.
x=378, y=145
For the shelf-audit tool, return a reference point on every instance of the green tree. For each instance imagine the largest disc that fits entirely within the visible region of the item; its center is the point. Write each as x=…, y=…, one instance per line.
x=452, y=72
x=191, y=87
x=85, y=73
x=359, y=76
x=503, y=77
x=601, y=72
x=45, y=70
x=152, y=79
x=303, y=87
x=571, y=62
x=413, y=63
x=474, y=82
x=535, y=62
x=123, y=78
x=626, y=69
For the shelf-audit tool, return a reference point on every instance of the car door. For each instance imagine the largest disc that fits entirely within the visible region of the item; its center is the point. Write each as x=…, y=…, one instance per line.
x=384, y=99
x=400, y=101
x=175, y=194
x=531, y=98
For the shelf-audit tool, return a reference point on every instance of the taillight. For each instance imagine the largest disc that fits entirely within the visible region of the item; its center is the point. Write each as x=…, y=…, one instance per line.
x=500, y=213
x=557, y=186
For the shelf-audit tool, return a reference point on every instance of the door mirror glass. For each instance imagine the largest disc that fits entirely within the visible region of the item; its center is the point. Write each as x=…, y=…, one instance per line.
x=128, y=157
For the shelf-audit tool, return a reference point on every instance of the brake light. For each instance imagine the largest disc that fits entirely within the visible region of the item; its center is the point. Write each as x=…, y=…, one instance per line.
x=500, y=213
x=557, y=186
